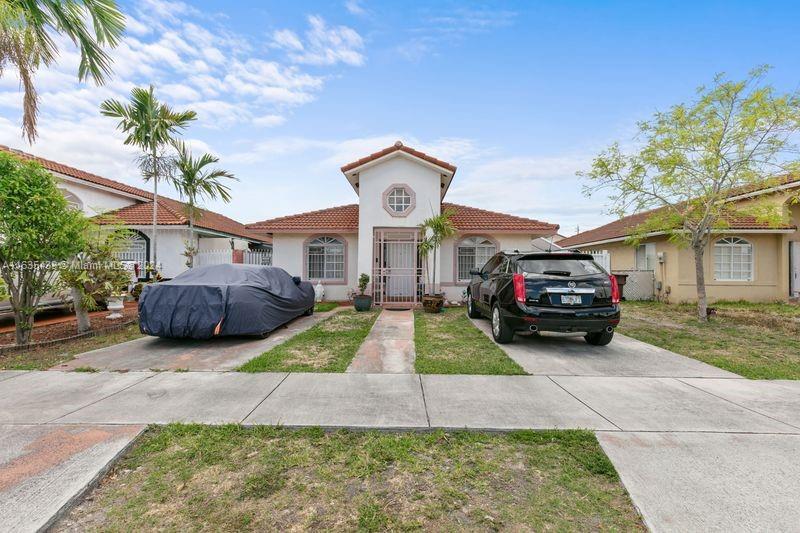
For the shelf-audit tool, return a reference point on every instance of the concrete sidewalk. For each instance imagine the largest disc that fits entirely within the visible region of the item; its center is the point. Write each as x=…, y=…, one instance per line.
x=697, y=453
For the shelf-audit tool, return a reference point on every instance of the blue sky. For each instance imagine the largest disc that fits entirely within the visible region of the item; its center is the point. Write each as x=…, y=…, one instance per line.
x=519, y=95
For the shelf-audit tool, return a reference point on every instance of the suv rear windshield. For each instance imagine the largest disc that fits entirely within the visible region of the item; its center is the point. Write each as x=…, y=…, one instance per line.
x=559, y=267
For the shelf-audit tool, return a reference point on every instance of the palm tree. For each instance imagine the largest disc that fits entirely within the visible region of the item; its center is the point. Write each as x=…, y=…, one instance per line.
x=151, y=126
x=26, y=41
x=194, y=182
x=435, y=230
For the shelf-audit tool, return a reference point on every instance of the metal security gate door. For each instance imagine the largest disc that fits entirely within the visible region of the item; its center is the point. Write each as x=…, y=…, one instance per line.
x=397, y=276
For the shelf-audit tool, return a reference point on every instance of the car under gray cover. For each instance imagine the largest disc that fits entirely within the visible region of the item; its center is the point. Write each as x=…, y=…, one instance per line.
x=204, y=302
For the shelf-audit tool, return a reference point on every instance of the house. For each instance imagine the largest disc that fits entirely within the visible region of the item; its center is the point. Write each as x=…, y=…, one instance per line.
x=749, y=260
x=397, y=189
x=133, y=208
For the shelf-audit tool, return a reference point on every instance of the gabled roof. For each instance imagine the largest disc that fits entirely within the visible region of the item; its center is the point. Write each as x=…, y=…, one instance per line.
x=622, y=228
x=73, y=172
x=170, y=212
x=345, y=218
x=399, y=147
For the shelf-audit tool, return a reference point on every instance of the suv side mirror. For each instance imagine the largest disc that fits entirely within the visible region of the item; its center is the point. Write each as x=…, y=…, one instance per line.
x=475, y=272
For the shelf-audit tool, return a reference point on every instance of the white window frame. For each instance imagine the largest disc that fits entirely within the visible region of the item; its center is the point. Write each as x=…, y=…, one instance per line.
x=733, y=259
x=329, y=258
x=482, y=248
x=647, y=259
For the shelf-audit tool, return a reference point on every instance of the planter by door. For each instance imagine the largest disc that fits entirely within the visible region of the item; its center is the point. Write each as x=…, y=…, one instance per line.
x=362, y=302
x=433, y=304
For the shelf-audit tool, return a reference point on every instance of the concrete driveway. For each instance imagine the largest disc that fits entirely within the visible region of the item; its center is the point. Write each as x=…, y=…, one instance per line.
x=222, y=353
x=569, y=355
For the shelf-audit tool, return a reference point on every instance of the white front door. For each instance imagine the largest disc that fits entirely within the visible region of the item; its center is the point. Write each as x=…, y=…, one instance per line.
x=794, y=269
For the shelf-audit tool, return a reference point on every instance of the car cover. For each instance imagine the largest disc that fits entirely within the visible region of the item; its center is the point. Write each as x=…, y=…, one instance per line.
x=223, y=300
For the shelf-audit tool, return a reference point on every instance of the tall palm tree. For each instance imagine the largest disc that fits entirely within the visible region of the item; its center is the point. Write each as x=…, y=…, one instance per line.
x=151, y=126
x=194, y=182
x=26, y=41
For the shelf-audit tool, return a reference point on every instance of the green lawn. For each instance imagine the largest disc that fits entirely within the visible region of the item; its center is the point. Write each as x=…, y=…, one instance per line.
x=448, y=343
x=327, y=347
x=322, y=307
x=757, y=341
x=50, y=356
x=230, y=478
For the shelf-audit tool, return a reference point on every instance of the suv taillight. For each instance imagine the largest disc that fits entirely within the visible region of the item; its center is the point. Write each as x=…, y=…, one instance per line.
x=519, y=288
x=614, y=289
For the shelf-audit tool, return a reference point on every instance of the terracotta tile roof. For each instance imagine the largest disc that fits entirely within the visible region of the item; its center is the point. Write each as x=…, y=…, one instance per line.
x=625, y=226
x=399, y=146
x=345, y=218
x=474, y=219
x=73, y=172
x=341, y=218
x=170, y=212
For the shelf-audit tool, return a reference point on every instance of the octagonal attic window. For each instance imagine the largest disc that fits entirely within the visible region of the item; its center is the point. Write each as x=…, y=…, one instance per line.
x=399, y=200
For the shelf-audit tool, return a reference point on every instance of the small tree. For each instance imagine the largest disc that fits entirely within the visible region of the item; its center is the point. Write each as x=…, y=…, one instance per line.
x=194, y=182
x=151, y=126
x=37, y=230
x=736, y=134
x=435, y=230
x=95, y=273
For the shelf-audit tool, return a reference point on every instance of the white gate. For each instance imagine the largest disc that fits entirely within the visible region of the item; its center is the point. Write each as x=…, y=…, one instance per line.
x=397, y=276
x=602, y=258
x=213, y=257
x=640, y=285
x=258, y=257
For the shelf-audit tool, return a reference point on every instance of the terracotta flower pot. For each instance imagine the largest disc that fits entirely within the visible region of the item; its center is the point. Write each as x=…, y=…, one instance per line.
x=433, y=303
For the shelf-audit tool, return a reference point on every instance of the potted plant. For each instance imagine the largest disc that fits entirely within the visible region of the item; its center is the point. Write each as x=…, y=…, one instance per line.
x=115, y=304
x=361, y=301
x=434, y=230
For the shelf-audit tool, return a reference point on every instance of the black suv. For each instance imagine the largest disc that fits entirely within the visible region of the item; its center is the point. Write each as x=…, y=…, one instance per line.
x=534, y=291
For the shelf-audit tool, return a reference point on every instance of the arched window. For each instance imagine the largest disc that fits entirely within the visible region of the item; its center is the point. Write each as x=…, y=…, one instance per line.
x=733, y=260
x=325, y=258
x=472, y=253
x=72, y=200
x=399, y=200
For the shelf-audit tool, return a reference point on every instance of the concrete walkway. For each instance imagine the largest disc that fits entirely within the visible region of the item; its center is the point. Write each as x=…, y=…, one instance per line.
x=221, y=353
x=389, y=347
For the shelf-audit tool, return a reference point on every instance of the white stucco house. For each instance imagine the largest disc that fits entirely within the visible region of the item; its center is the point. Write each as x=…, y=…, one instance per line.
x=397, y=189
x=133, y=208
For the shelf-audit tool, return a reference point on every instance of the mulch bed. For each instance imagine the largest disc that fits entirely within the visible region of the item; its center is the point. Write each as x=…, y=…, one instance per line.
x=66, y=330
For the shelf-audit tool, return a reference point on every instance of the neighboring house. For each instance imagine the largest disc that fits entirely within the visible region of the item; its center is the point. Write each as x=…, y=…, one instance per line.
x=133, y=208
x=749, y=260
x=397, y=189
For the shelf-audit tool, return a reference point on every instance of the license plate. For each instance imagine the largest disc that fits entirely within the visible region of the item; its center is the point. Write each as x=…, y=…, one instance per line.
x=571, y=299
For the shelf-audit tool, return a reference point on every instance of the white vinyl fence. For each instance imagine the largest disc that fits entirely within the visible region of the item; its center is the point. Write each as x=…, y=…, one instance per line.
x=228, y=256
x=258, y=257
x=213, y=257
x=603, y=258
x=640, y=284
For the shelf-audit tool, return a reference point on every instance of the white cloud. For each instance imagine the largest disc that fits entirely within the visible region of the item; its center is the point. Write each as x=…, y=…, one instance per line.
x=269, y=121
x=354, y=7
x=324, y=45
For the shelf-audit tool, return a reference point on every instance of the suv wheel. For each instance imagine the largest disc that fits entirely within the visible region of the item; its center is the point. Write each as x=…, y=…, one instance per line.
x=599, y=338
x=500, y=331
x=472, y=311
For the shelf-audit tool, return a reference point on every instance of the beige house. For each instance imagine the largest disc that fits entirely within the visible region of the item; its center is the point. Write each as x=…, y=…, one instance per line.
x=750, y=260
